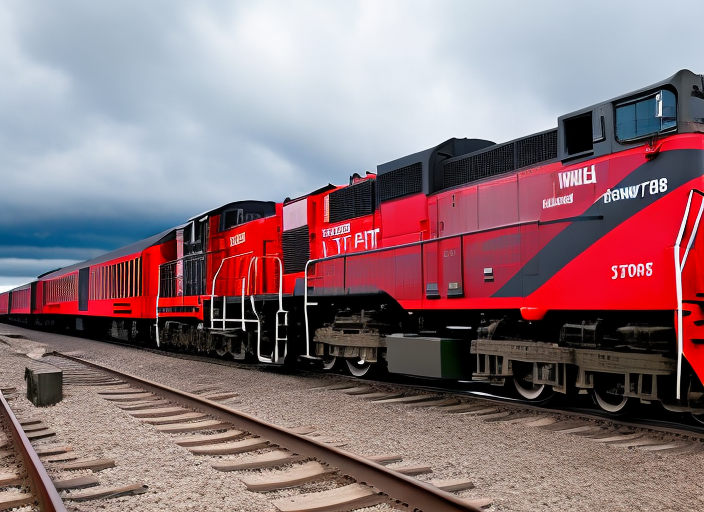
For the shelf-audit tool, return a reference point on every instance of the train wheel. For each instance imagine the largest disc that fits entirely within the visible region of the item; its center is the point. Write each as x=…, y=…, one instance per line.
x=329, y=362
x=698, y=417
x=221, y=347
x=605, y=385
x=523, y=381
x=358, y=367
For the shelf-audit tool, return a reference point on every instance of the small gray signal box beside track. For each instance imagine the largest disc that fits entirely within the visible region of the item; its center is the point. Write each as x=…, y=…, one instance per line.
x=44, y=386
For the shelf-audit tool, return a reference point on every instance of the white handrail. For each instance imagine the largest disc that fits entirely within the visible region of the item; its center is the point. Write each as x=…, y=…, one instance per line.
x=679, y=266
x=158, y=293
x=694, y=230
x=306, y=304
x=212, y=291
x=253, y=263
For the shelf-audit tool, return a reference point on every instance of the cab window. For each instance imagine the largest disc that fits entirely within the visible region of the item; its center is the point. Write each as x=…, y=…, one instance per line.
x=646, y=116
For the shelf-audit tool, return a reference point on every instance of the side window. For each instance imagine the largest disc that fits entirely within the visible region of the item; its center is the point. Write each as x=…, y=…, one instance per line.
x=646, y=116
x=231, y=218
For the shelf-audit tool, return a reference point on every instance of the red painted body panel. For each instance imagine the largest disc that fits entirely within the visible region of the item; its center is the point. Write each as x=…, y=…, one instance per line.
x=404, y=221
x=21, y=300
x=506, y=240
x=4, y=303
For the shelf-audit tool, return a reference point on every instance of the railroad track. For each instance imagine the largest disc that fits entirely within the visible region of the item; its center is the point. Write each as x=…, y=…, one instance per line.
x=374, y=398
x=25, y=471
x=651, y=417
x=364, y=481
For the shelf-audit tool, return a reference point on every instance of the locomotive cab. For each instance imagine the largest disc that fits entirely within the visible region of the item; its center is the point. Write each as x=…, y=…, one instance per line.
x=228, y=297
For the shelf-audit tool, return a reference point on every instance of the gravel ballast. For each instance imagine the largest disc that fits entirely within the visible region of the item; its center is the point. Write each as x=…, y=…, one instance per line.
x=521, y=468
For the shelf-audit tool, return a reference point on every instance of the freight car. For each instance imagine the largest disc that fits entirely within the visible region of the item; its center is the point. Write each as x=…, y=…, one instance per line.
x=564, y=261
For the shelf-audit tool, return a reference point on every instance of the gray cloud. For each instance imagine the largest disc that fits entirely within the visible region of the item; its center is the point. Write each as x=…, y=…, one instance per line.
x=118, y=120
x=19, y=267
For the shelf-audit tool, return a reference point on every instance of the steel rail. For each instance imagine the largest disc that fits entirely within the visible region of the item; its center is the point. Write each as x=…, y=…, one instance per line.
x=40, y=483
x=410, y=492
x=542, y=406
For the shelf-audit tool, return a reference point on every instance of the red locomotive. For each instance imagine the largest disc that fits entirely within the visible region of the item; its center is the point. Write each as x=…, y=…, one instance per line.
x=564, y=260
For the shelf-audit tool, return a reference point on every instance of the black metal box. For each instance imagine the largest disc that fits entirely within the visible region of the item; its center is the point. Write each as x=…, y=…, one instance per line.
x=44, y=386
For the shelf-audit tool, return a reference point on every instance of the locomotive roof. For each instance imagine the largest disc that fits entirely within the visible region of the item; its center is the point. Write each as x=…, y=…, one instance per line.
x=682, y=81
x=134, y=248
x=320, y=190
x=268, y=206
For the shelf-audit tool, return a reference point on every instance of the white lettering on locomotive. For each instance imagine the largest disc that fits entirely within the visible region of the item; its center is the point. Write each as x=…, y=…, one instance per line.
x=576, y=177
x=632, y=270
x=652, y=187
x=557, y=201
x=337, y=230
x=237, y=239
x=363, y=240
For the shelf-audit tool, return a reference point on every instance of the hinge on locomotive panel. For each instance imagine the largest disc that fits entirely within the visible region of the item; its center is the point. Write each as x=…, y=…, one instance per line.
x=489, y=275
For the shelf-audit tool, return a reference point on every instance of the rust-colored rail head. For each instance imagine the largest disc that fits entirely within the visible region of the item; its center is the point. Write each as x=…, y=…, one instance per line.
x=42, y=486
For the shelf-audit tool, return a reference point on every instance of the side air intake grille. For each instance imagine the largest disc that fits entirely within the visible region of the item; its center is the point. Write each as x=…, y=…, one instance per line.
x=537, y=148
x=353, y=201
x=296, y=249
x=475, y=167
x=400, y=182
x=500, y=159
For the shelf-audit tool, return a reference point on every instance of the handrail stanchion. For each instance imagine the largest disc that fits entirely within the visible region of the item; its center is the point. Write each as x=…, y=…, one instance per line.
x=212, y=293
x=679, y=266
x=253, y=264
x=281, y=310
x=306, y=304
x=158, y=293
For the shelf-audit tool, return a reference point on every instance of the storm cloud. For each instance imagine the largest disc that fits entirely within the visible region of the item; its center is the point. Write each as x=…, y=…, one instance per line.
x=121, y=119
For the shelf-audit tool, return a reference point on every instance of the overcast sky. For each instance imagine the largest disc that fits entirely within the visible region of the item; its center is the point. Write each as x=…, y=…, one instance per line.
x=121, y=119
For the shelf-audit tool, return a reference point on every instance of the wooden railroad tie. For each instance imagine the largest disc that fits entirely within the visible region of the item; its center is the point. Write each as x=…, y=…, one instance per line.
x=193, y=427
x=12, y=499
x=246, y=445
x=200, y=440
x=348, y=497
x=293, y=477
x=113, y=492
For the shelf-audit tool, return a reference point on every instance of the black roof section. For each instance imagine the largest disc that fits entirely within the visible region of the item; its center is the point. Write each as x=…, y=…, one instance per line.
x=321, y=190
x=422, y=171
x=689, y=88
x=137, y=247
x=265, y=206
x=539, y=148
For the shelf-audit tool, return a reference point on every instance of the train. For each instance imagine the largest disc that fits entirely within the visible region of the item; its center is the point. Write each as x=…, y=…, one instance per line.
x=567, y=261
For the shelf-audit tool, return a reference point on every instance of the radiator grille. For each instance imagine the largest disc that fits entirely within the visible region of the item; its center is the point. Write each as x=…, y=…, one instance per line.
x=353, y=201
x=500, y=159
x=537, y=148
x=475, y=167
x=400, y=182
x=296, y=249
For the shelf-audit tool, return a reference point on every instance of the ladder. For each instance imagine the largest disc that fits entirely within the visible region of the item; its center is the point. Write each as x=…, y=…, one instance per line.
x=279, y=352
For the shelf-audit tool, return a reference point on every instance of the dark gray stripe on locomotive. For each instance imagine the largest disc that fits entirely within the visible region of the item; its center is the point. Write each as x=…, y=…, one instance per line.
x=679, y=167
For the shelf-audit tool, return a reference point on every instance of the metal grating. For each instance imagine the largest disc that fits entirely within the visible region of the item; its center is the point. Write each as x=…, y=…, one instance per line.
x=500, y=159
x=194, y=275
x=400, y=182
x=478, y=166
x=296, y=249
x=353, y=201
x=537, y=148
